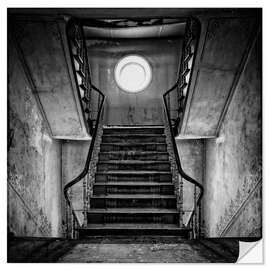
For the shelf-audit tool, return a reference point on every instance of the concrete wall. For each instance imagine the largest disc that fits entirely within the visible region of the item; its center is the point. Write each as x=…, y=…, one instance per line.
x=191, y=154
x=74, y=155
x=233, y=173
x=222, y=46
x=145, y=107
x=34, y=161
x=44, y=47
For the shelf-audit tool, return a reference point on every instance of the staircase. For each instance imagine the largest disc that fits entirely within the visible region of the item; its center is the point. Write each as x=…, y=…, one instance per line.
x=133, y=193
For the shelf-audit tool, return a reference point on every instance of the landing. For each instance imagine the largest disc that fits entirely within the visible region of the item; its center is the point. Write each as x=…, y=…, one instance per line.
x=134, y=253
x=112, y=249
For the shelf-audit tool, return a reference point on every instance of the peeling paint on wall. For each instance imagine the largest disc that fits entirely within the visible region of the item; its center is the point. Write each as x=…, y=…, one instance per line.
x=34, y=164
x=234, y=164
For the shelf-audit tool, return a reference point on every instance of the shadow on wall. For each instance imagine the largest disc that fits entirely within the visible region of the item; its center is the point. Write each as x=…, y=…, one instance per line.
x=233, y=176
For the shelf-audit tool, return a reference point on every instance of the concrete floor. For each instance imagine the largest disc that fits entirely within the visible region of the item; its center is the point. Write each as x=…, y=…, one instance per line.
x=151, y=250
x=124, y=250
x=133, y=253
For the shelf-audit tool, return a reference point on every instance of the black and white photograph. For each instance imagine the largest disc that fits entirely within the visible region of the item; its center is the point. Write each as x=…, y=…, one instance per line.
x=134, y=135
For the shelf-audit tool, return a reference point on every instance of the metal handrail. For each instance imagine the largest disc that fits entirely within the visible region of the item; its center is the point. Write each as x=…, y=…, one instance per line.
x=177, y=158
x=88, y=159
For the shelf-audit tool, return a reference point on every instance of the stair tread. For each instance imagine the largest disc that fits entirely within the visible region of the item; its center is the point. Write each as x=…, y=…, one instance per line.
x=134, y=172
x=133, y=196
x=132, y=226
x=132, y=210
x=133, y=183
x=133, y=161
x=124, y=135
x=131, y=143
x=134, y=127
x=134, y=152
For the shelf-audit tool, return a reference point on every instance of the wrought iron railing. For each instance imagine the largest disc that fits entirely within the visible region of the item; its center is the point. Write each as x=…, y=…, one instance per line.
x=73, y=215
x=81, y=71
x=193, y=221
x=92, y=102
x=174, y=112
x=179, y=91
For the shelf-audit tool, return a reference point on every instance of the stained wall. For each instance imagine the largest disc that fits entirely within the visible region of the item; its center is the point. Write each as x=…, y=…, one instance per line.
x=233, y=172
x=191, y=153
x=74, y=154
x=34, y=161
x=145, y=107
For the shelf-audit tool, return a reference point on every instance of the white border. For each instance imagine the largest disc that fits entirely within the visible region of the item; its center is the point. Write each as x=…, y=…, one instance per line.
x=139, y=3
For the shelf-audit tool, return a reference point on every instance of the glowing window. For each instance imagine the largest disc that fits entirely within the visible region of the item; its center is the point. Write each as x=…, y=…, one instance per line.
x=133, y=73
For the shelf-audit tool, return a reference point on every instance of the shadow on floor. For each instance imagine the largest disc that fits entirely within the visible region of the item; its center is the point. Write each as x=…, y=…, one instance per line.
x=169, y=249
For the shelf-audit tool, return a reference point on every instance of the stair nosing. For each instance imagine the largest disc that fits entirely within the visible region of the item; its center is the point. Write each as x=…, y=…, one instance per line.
x=128, y=226
x=134, y=172
x=133, y=196
x=132, y=161
x=134, y=134
x=133, y=127
x=136, y=143
x=133, y=210
x=134, y=152
x=134, y=183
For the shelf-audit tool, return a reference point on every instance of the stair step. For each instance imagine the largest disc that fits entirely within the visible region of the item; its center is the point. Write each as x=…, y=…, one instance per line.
x=130, y=201
x=135, y=196
x=132, y=229
x=134, y=211
x=133, y=165
x=131, y=175
x=131, y=183
x=133, y=189
x=162, y=188
x=159, y=147
x=134, y=215
x=134, y=155
x=134, y=138
x=133, y=130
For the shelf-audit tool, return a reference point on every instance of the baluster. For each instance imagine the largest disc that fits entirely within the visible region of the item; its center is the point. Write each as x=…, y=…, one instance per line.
x=181, y=202
x=88, y=190
x=195, y=211
x=68, y=221
x=199, y=220
x=73, y=226
x=84, y=202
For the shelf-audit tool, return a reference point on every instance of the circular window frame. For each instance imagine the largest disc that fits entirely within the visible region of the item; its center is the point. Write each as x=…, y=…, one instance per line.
x=138, y=60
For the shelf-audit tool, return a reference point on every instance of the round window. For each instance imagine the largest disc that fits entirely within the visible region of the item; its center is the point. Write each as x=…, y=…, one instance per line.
x=133, y=73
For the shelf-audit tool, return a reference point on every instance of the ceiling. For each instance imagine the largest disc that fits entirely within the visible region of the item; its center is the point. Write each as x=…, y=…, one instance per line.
x=153, y=28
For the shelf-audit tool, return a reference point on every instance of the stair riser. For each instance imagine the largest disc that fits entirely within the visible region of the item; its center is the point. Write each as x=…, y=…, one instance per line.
x=132, y=232
x=131, y=156
x=124, y=178
x=140, y=147
x=137, y=203
x=135, y=167
x=133, y=139
x=132, y=218
x=131, y=131
x=163, y=190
